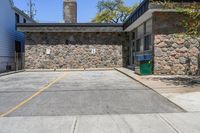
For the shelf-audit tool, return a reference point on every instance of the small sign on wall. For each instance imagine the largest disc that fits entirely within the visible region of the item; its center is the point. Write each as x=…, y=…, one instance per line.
x=93, y=51
x=48, y=51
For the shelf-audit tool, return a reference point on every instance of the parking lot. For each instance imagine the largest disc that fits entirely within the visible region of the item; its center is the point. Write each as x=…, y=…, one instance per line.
x=77, y=93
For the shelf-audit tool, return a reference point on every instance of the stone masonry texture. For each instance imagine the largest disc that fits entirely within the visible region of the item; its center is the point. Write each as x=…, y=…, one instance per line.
x=174, y=52
x=74, y=50
x=70, y=11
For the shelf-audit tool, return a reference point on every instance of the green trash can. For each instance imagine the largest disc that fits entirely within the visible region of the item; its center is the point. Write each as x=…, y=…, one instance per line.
x=144, y=64
x=146, y=67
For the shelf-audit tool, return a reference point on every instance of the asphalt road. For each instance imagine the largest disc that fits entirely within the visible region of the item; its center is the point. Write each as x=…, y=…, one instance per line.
x=77, y=93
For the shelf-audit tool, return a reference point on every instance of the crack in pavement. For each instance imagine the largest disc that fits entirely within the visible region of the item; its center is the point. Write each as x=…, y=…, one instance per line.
x=74, y=125
x=131, y=130
x=169, y=123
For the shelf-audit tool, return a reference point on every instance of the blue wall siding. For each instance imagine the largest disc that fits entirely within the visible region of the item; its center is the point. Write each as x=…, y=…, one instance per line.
x=8, y=34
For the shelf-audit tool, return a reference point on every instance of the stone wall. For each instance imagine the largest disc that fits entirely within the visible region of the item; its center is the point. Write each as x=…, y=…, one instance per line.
x=167, y=23
x=174, y=52
x=74, y=50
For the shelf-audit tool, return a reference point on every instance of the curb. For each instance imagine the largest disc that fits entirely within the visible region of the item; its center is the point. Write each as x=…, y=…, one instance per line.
x=99, y=69
x=52, y=70
x=132, y=78
x=9, y=73
x=68, y=70
x=184, y=111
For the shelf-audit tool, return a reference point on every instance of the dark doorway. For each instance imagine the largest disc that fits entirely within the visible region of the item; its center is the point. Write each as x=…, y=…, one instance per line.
x=19, y=50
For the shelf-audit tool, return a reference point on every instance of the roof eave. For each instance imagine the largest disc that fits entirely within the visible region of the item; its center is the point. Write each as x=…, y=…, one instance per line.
x=69, y=27
x=23, y=14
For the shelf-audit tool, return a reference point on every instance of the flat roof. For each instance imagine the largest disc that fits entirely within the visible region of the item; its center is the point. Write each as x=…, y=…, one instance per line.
x=69, y=27
x=145, y=5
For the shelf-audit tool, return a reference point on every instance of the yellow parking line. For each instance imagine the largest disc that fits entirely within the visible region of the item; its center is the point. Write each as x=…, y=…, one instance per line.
x=40, y=90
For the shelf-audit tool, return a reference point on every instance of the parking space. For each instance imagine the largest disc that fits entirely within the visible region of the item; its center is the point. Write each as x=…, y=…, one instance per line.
x=78, y=93
x=17, y=87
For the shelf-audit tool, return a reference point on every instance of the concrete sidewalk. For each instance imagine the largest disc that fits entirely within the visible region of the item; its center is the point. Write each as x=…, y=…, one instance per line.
x=140, y=123
x=183, y=95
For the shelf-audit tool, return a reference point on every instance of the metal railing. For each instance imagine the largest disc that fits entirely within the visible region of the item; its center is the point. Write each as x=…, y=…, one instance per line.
x=144, y=6
x=140, y=10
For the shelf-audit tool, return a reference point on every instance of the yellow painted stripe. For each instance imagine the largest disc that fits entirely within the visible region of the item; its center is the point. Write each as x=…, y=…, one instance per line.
x=40, y=90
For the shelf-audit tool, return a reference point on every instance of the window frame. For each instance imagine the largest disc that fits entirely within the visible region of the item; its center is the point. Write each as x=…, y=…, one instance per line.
x=17, y=20
x=138, y=45
x=24, y=20
x=147, y=34
x=147, y=42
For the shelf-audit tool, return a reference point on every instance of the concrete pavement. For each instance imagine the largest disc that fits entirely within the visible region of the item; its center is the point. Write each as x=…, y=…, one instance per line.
x=17, y=87
x=135, y=123
x=79, y=93
x=88, y=102
x=184, y=93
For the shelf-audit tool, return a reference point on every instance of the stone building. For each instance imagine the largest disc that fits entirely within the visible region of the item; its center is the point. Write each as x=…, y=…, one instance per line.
x=70, y=46
x=157, y=31
x=149, y=32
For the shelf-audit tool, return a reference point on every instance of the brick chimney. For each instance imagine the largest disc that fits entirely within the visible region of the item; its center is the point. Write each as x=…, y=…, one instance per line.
x=70, y=11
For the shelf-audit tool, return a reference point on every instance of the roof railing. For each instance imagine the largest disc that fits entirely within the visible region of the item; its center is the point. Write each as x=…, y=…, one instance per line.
x=140, y=10
x=143, y=7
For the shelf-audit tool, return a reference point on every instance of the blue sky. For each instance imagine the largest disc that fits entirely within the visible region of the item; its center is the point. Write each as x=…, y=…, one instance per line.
x=51, y=10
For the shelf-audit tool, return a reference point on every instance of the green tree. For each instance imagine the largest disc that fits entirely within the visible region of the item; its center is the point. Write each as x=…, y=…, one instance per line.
x=113, y=11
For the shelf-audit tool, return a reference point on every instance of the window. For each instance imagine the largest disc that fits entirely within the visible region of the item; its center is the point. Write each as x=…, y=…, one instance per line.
x=24, y=20
x=16, y=20
x=133, y=46
x=133, y=35
x=140, y=31
x=138, y=44
x=133, y=51
x=145, y=27
x=147, y=42
x=148, y=27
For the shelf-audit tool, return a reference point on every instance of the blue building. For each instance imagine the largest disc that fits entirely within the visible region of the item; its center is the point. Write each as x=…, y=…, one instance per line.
x=11, y=40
